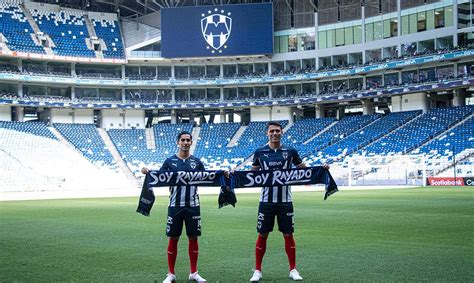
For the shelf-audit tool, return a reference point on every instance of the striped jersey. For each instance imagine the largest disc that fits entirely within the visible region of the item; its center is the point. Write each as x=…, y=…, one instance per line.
x=181, y=196
x=273, y=159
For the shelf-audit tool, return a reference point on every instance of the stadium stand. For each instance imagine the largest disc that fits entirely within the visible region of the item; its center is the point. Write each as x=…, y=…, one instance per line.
x=32, y=159
x=337, y=132
x=33, y=128
x=212, y=144
x=18, y=32
x=67, y=30
x=418, y=131
x=131, y=144
x=165, y=139
x=109, y=31
x=369, y=134
x=87, y=140
x=390, y=70
x=302, y=130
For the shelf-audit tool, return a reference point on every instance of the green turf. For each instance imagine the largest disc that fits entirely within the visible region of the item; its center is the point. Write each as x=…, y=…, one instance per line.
x=423, y=234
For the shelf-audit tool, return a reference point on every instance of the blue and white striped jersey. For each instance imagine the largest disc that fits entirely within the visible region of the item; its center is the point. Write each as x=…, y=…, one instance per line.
x=274, y=159
x=181, y=196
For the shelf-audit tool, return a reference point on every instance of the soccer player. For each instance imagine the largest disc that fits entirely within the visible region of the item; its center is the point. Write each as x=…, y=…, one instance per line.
x=277, y=200
x=183, y=207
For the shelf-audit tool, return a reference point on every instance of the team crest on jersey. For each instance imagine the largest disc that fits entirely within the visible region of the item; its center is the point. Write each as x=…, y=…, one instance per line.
x=193, y=164
x=285, y=154
x=216, y=27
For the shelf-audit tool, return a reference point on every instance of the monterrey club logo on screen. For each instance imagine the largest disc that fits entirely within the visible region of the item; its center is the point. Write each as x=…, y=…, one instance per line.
x=216, y=27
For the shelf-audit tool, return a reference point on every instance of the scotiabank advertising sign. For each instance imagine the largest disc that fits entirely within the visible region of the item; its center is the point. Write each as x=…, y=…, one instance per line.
x=450, y=181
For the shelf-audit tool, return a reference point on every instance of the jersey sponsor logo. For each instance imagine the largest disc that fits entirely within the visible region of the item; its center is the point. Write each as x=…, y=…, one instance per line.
x=265, y=154
x=261, y=216
x=216, y=29
x=174, y=164
x=170, y=220
x=275, y=163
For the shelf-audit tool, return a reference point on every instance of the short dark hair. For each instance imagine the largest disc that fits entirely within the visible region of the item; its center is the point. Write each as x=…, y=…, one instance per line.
x=184, y=133
x=274, y=123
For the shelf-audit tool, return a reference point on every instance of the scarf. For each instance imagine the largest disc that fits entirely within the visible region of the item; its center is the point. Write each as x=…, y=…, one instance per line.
x=237, y=179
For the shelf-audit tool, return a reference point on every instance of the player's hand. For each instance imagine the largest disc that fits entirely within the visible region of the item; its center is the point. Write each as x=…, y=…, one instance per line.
x=145, y=170
x=326, y=166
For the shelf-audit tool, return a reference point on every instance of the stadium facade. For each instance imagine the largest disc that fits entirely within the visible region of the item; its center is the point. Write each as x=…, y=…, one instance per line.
x=348, y=78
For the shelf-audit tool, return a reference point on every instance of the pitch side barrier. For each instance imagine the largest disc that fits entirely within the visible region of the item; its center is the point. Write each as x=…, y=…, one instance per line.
x=238, y=81
x=276, y=102
x=450, y=181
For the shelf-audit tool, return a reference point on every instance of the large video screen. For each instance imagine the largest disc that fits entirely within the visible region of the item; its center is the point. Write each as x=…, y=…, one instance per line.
x=210, y=31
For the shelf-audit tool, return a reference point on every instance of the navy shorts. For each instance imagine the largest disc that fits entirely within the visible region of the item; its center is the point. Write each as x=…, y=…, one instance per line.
x=191, y=216
x=266, y=217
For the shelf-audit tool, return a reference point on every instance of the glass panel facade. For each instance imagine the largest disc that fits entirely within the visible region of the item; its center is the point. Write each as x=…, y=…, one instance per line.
x=421, y=21
x=292, y=43
x=348, y=36
x=386, y=29
x=369, y=32
x=284, y=44
x=339, y=37
x=430, y=19
x=331, y=34
x=357, y=34
x=322, y=39
x=378, y=30
x=405, y=25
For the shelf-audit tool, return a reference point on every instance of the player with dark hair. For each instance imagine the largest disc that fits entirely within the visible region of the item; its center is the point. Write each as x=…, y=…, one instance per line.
x=277, y=200
x=183, y=207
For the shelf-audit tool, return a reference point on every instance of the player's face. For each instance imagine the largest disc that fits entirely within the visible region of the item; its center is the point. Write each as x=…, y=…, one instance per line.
x=274, y=133
x=185, y=142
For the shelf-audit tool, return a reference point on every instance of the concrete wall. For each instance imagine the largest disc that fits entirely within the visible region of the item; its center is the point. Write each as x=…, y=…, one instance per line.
x=74, y=116
x=122, y=119
x=408, y=102
x=5, y=113
x=270, y=113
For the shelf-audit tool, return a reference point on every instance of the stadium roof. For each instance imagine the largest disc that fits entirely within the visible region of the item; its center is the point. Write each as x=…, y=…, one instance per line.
x=134, y=8
x=330, y=11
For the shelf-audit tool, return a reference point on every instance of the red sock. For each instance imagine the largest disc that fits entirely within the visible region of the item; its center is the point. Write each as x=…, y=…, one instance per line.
x=260, y=248
x=290, y=249
x=172, y=254
x=193, y=250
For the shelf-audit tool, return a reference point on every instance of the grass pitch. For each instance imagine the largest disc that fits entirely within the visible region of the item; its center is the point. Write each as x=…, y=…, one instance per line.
x=423, y=234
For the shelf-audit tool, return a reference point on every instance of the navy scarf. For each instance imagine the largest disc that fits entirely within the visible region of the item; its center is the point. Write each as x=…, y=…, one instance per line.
x=238, y=179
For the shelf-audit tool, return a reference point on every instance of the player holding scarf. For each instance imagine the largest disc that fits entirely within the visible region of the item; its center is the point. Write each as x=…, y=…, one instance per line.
x=276, y=201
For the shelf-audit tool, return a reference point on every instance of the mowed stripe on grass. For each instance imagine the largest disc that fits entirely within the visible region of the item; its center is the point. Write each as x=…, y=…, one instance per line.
x=422, y=234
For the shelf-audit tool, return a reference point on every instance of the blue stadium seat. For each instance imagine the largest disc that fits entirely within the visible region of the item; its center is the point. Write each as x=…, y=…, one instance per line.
x=418, y=131
x=87, y=140
x=68, y=31
x=131, y=144
x=212, y=143
x=109, y=31
x=34, y=128
x=15, y=27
